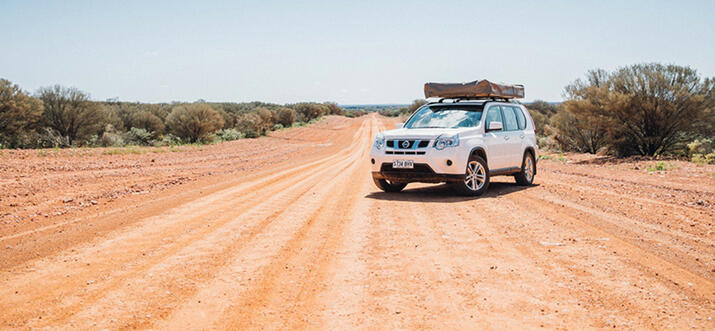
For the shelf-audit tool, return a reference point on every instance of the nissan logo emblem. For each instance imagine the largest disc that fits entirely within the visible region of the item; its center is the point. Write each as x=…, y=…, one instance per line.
x=405, y=144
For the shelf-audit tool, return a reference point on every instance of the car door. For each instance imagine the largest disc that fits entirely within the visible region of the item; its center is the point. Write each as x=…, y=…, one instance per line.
x=514, y=138
x=524, y=139
x=495, y=141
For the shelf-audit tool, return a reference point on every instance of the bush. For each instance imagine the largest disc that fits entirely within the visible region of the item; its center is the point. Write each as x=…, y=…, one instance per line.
x=194, y=122
x=20, y=115
x=643, y=109
x=277, y=127
x=51, y=138
x=547, y=143
x=111, y=138
x=137, y=136
x=250, y=125
x=286, y=117
x=171, y=140
x=70, y=113
x=581, y=135
x=228, y=135
x=148, y=122
x=700, y=146
x=703, y=159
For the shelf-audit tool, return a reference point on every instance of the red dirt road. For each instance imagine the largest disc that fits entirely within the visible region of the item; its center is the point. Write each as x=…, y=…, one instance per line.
x=289, y=232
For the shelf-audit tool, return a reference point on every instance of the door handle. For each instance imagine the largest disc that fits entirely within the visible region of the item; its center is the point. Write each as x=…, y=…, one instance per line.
x=521, y=136
x=506, y=137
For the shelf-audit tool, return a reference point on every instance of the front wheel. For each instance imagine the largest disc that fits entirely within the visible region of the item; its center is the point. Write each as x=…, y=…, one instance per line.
x=388, y=186
x=528, y=169
x=476, y=178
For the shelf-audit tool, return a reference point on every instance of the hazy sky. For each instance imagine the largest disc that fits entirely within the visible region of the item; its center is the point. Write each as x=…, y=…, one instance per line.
x=349, y=52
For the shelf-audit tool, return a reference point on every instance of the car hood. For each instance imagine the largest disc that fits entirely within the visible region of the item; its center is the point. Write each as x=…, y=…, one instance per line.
x=427, y=133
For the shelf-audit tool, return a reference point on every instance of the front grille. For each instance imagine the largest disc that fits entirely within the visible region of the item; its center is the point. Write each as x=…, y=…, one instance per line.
x=405, y=152
x=407, y=143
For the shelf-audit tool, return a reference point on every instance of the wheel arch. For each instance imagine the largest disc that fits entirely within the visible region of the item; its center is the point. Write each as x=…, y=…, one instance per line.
x=481, y=152
x=531, y=151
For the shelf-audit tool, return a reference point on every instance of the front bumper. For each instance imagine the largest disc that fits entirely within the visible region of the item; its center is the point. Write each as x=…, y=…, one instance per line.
x=420, y=173
x=433, y=166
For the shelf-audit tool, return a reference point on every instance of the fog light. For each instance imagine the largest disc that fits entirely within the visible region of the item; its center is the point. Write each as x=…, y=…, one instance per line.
x=449, y=162
x=372, y=160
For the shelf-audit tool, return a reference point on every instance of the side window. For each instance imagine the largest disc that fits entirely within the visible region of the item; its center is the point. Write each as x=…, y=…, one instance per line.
x=510, y=123
x=520, y=117
x=494, y=115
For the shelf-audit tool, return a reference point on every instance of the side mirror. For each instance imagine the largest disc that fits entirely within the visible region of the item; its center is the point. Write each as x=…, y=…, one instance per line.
x=494, y=126
x=399, y=125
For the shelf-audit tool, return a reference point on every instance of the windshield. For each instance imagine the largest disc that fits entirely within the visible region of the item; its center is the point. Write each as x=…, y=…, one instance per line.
x=452, y=116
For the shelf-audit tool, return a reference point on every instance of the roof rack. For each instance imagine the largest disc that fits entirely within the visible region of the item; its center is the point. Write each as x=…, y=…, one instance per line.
x=486, y=99
x=478, y=89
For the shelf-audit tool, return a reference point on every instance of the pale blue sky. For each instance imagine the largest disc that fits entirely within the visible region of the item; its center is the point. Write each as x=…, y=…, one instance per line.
x=344, y=51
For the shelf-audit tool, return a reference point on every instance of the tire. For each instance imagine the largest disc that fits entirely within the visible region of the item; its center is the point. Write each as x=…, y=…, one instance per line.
x=471, y=186
x=528, y=170
x=387, y=186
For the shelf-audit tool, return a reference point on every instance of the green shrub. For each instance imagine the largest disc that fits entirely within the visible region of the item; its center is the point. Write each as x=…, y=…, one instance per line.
x=661, y=166
x=111, y=138
x=643, y=109
x=547, y=143
x=171, y=140
x=137, y=136
x=703, y=159
x=277, y=127
x=700, y=146
x=194, y=122
x=228, y=135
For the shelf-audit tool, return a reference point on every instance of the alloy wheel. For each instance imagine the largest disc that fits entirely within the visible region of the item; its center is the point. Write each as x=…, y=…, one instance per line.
x=476, y=176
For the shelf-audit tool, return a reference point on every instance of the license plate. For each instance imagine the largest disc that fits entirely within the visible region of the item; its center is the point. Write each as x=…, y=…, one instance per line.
x=403, y=164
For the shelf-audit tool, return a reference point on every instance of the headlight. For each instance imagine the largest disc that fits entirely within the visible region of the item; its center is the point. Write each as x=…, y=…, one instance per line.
x=444, y=141
x=379, y=141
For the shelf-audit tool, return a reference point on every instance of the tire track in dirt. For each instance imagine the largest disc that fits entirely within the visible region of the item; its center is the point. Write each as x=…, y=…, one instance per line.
x=205, y=255
x=290, y=230
x=23, y=246
x=688, y=237
x=305, y=257
x=701, y=287
x=502, y=281
x=636, y=281
x=287, y=182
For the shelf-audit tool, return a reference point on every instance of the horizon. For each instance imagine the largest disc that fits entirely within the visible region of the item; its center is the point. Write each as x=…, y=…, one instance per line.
x=348, y=53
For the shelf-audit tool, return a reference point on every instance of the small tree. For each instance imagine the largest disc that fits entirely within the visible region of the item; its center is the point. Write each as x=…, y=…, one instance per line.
x=20, y=114
x=147, y=121
x=664, y=101
x=643, y=109
x=334, y=109
x=194, y=121
x=250, y=125
x=70, y=112
x=286, y=117
x=412, y=107
x=266, y=122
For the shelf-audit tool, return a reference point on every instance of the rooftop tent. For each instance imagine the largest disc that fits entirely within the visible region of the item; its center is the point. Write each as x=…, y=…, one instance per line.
x=476, y=89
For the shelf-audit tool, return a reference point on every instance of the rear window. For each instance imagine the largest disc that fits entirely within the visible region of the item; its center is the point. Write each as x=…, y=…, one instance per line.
x=510, y=123
x=520, y=118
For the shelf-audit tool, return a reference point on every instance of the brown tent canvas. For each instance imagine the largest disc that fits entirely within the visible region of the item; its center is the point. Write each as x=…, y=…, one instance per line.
x=476, y=89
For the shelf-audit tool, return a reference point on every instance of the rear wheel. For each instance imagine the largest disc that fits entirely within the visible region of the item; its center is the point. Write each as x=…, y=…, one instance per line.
x=476, y=178
x=528, y=170
x=388, y=186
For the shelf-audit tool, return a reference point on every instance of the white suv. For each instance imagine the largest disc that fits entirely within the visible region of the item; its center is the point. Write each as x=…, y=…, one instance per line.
x=463, y=143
